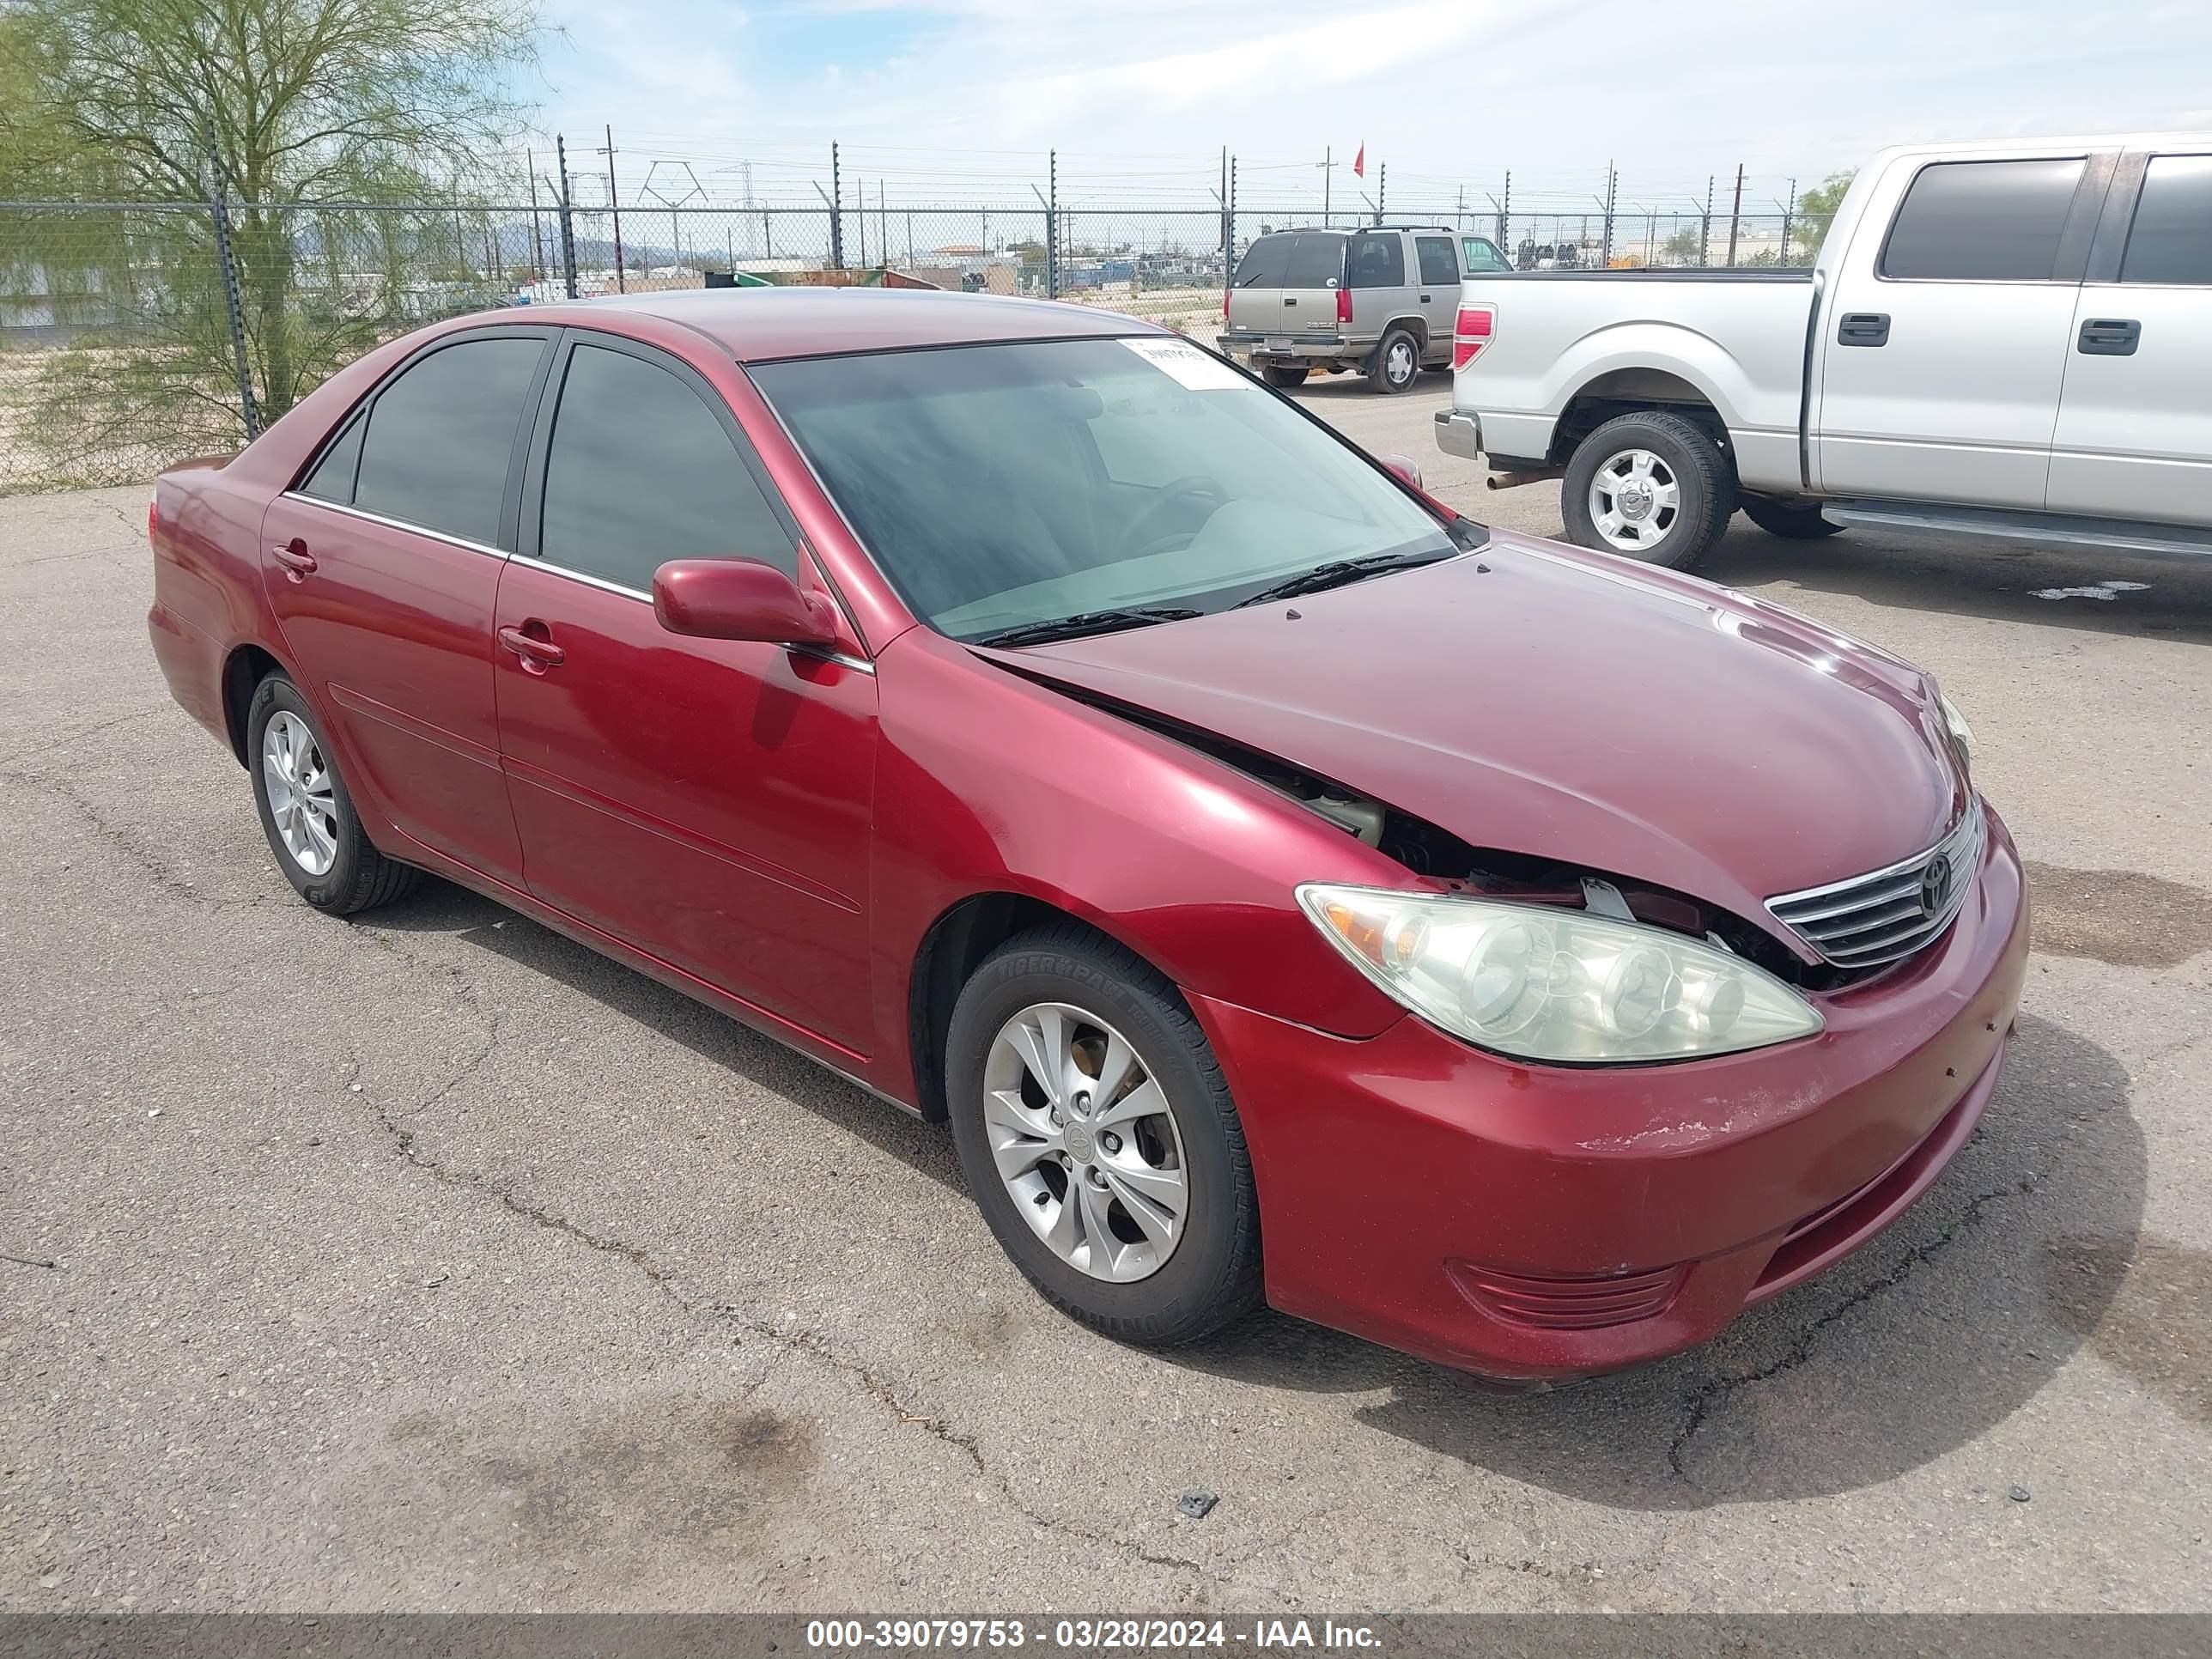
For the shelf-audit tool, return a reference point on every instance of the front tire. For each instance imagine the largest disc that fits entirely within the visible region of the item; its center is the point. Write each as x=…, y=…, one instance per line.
x=306, y=811
x=1797, y=521
x=1286, y=375
x=1651, y=486
x=1397, y=363
x=1098, y=1138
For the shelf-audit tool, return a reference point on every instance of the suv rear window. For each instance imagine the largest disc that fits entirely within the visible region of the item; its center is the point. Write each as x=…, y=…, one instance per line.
x=1989, y=221
x=1293, y=258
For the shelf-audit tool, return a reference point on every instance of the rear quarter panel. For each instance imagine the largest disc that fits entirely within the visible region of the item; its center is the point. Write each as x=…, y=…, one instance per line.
x=1741, y=344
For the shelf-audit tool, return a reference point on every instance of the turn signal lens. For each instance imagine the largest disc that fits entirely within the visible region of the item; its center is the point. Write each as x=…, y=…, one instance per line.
x=1549, y=984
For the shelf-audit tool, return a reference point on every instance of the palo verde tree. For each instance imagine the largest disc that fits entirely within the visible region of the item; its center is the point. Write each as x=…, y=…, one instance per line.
x=1816, y=211
x=299, y=106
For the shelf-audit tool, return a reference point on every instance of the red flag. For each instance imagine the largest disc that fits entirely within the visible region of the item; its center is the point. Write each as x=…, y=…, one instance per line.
x=1359, y=161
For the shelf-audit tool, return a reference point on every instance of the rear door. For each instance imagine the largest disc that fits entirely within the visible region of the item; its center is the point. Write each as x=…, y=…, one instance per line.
x=1311, y=276
x=707, y=801
x=1438, y=260
x=382, y=566
x=1255, y=293
x=1946, y=339
x=2135, y=425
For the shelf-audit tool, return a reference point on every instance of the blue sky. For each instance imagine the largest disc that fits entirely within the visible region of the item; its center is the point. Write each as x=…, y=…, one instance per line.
x=938, y=100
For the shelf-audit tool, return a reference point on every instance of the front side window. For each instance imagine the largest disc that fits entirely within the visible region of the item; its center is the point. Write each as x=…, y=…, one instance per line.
x=1003, y=485
x=1990, y=222
x=2171, y=240
x=1482, y=255
x=1438, y=268
x=1377, y=261
x=641, y=470
x=439, y=437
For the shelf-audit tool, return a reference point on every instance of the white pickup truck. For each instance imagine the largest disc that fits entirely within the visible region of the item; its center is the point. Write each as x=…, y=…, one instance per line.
x=2012, y=338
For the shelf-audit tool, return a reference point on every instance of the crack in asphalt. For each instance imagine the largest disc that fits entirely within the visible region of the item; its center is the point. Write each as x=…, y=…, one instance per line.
x=1717, y=1391
x=133, y=847
x=70, y=739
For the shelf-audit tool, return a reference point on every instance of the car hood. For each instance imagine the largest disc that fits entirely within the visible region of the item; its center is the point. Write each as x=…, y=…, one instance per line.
x=1539, y=699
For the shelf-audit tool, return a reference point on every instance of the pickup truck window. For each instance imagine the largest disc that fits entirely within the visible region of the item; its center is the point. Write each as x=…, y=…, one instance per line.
x=1988, y=221
x=2171, y=240
x=1377, y=261
x=441, y=436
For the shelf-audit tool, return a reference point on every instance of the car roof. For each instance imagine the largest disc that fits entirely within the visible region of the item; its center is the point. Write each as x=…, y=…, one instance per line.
x=759, y=325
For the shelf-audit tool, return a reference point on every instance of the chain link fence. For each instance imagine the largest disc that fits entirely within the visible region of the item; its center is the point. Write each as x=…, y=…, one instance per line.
x=134, y=334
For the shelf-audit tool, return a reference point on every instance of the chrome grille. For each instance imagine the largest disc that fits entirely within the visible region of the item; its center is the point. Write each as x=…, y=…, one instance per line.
x=1888, y=913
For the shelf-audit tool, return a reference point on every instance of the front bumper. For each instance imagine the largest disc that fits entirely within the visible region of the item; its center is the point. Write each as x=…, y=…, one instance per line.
x=1537, y=1221
x=1459, y=433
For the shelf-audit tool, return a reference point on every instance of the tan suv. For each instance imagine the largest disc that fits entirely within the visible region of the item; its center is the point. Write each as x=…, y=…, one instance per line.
x=1379, y=299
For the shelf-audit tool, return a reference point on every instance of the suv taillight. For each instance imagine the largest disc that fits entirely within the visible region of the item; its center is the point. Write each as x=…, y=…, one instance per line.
x=1343, y=306
x=1471, y=332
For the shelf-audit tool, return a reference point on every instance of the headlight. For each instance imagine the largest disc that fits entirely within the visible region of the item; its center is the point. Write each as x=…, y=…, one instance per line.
x=1962, y=733
x=1557, y=985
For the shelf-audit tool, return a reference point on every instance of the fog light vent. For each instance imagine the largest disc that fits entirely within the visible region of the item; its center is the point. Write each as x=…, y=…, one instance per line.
x=1566, y=1305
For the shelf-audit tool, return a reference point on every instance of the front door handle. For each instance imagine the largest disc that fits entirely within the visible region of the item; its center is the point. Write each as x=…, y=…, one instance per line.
x=2110, y=337
x=299, y=563
x=538, y=654
x=1864, y=328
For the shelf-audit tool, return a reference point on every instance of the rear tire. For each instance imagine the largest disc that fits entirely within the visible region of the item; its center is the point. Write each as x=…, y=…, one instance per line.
x=1651, y=485
x=1067, y=994
x=306, y=811
x=1797, y=521
x=1284, y=375
x=1397, y=363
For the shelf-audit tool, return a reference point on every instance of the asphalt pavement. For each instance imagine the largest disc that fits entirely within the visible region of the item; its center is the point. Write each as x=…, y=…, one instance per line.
x=430, y=1261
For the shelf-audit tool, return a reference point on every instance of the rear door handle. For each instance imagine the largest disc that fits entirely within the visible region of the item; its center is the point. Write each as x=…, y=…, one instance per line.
x=1864, y=328
x=298, y=562
x=1289, y=302
x=2110, y=337
x=1424, y=299
x=538, y=655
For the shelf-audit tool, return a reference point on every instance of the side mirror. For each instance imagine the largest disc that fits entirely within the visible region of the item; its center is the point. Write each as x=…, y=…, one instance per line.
x=740, y=600
x=1401, y=468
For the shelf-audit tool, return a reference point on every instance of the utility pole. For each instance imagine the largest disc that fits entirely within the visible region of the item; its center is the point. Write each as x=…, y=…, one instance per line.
x=567, y=221
x=614, y=206
x=1705, y=226
x=836, y=211
x=1459, y=210
x=1328, y=174
x=1736, y=214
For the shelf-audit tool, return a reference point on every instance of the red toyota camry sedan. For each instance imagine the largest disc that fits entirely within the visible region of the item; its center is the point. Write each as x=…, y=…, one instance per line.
x=1286, y=888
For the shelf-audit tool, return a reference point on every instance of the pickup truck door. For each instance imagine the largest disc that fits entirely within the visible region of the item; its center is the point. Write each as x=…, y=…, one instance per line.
x=2134, y=422
x=1944, y=338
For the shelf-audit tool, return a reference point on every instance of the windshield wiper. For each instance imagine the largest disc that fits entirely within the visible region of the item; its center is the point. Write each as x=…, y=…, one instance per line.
x=1337, y=572
x=1087, y=621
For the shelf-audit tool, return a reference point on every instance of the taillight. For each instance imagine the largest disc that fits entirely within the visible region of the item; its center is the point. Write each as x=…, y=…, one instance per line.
x=1343, y=308
x=1472, y=331
x=1224, y=305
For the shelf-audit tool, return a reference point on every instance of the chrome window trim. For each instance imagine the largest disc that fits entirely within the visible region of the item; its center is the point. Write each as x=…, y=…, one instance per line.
x=363, y=513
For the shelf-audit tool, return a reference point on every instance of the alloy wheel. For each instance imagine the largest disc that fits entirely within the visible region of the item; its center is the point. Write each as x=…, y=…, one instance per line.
x=1085, y=1141
x=1634, y=501
x=302, y=801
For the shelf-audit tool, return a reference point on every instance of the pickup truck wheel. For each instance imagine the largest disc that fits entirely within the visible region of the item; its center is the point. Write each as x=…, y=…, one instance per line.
x=1651, y=486
x=1799, y=522
x=1286, y=375
x=306, y=811
x=1397, y=363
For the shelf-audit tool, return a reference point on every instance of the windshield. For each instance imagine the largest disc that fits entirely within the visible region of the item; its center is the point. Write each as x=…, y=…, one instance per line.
x=999, y=486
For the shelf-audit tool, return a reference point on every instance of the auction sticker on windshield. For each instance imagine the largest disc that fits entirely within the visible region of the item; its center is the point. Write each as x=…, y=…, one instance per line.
x=1188, y=365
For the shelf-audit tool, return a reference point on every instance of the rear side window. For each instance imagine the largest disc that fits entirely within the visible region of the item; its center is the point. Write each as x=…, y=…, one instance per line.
x=1265, y=262
x=1316, y=261
x=1482, y=255
x=1438, y=265
x=2171, y=240
x=1993, y=222
x=641, y=470
x=1378, y=262
x=332, y=478
x=439, y=437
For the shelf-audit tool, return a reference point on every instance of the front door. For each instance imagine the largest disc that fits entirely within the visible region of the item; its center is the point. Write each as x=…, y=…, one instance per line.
x=706, y=801
x=382, y=568
x=2135, y=425
x=1945, y=340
